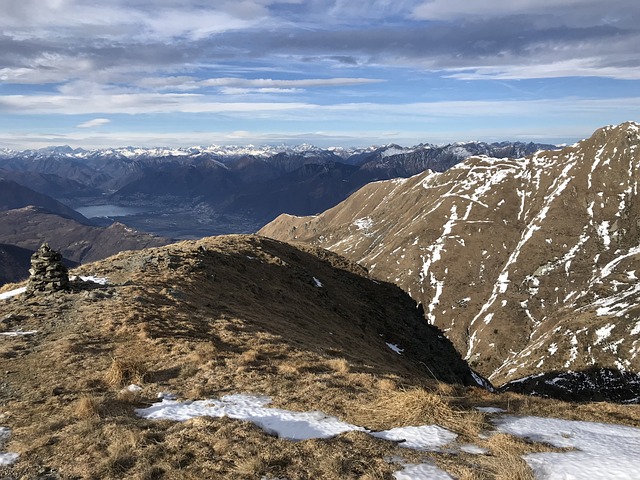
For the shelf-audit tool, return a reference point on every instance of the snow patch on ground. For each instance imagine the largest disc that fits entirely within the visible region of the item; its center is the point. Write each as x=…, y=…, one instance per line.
x=473, y=449
x=12, y=293
x=426, y=437
x=6, y=458
x=19, y=333
x=490, y=409
x=18, y=291
x=91, y=278
x=288, y=424
x=603, y=451
x=424, y=471
x=283, y=423
x=364, y=223
x=303, y=425
x=395, y=348
x=604, y=333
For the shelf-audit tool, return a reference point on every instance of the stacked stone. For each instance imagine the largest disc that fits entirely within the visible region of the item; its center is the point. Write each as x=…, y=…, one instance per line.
x=48, y=273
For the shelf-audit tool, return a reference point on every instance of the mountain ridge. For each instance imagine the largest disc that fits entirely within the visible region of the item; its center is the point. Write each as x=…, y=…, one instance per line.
x=228, y=151
x=232, y=185
x=493, y=247
x=199, y=319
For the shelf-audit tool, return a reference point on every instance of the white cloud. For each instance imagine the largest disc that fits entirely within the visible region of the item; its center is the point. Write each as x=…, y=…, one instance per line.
x=246, y=91
x=234, y=85
x=591, y=67
x=94, y=103
x=96, y=122
x=452, y=9
x=271, y=83
x=53, y=19
x=133, y=103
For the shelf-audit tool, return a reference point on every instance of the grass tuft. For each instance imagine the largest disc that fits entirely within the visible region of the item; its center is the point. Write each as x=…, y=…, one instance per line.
x=339, y=365
x=123, y=372
x=88, y=407
x=417, y=406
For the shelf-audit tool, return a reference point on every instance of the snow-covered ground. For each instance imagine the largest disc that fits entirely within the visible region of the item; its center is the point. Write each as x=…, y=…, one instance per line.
x=304, y=426
x=283, y=423
x=602, y=451
x=18, y=333
x=91, y=278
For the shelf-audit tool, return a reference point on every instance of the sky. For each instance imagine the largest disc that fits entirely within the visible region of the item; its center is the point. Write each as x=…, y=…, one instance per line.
x=327, y=72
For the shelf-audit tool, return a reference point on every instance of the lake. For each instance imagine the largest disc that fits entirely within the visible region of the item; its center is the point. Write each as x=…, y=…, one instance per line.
x=109, y=211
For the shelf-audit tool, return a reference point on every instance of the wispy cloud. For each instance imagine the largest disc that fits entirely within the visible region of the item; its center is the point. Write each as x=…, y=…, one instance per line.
x=186, y=83
x=96, y=122
x=132, y=104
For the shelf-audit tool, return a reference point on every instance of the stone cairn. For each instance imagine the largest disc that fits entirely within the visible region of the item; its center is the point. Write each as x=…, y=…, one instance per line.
x=48, y=273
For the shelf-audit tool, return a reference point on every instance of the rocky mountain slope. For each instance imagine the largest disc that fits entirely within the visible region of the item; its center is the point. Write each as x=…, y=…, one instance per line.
x=237, y=314
x=14, y=263
x=528, y=265
x=31, y=226
x=14, y=195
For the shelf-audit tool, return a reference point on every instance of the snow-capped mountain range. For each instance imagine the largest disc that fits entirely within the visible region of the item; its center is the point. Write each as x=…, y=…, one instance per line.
x=264, y=151
x=223, y=151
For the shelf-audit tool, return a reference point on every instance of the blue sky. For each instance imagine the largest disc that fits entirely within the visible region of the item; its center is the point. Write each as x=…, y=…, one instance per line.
x=327, y=72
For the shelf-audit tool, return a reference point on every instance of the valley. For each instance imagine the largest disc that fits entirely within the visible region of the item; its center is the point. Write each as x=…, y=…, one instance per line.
x=203, y=191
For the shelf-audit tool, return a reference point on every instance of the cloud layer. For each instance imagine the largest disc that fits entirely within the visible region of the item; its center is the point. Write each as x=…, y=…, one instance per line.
x=135, y=57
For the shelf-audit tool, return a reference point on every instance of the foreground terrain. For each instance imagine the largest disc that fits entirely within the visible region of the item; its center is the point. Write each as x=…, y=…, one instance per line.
x=90, y=376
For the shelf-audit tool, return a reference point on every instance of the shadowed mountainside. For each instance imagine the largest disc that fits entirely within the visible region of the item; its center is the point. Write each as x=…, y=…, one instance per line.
x=14, y=196
x=31, y=226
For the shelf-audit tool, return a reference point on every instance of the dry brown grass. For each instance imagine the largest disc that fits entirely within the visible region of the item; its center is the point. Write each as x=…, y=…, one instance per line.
x=88, y=407
x=125, y=371
x=252, y=467
x=203, y=352
x=287, y=368
x=339, y=365
x=386, y=384
x=123, y=448
x=417, y=406
x=249, y=357
x=128, y=396
x=518, y=404
x=504, y=460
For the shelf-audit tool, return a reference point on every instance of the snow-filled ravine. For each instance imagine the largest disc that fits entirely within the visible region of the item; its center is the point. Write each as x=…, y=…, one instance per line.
x=602, y=451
